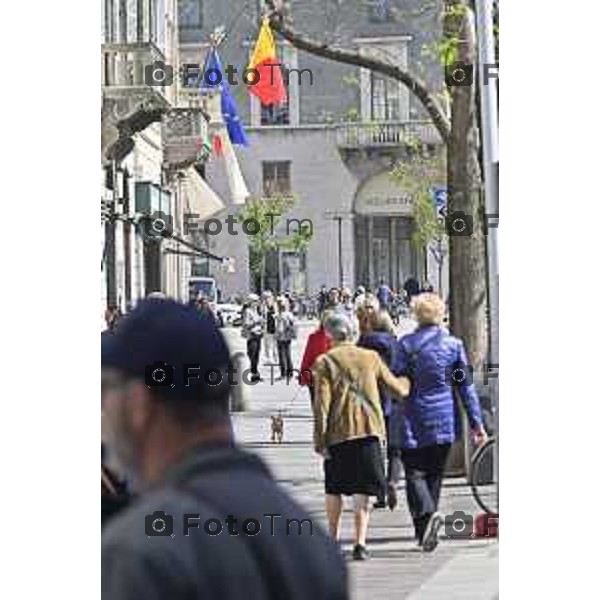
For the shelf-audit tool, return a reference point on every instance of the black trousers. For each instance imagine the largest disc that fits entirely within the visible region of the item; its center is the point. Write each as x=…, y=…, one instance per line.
x=285, y=357
x=424, y=471
x=394, y=461
x=253, y=348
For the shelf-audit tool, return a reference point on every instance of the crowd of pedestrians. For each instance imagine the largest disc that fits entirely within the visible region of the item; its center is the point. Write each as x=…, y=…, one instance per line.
x=382, y=405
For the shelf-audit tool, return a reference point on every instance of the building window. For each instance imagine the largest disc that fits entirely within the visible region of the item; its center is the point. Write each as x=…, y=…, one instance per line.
x=380, y=11
x=385, y=98
x=275, y=114
x=190, y=14
x=277, y=178
x=382, y=98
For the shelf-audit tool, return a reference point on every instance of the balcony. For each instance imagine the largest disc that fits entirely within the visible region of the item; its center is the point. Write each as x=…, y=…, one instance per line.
x=123, y=68
x=128, y=104
x=185, y=137
x=385, y=134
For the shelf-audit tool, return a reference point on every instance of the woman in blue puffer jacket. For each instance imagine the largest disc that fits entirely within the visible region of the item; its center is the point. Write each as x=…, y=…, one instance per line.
x=437, y=364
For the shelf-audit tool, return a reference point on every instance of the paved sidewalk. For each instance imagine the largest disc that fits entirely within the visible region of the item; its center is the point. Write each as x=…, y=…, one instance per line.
x=462, y=569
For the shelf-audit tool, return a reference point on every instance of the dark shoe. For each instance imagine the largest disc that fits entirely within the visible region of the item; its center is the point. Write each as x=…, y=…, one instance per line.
x=360, y=553
x=392, y=496
x=430, y=537
x=379, y=503
x=255, y=378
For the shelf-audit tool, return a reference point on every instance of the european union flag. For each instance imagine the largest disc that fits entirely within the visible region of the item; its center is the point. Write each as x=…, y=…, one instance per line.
x=213, y=77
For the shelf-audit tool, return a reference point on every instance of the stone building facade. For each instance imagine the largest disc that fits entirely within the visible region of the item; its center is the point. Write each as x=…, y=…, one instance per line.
x=333, y=146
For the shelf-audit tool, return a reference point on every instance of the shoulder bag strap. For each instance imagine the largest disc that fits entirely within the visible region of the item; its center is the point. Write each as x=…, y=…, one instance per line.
x=363, y=400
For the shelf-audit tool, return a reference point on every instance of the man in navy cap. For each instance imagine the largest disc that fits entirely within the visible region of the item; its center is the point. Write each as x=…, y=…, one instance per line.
x=209, y=520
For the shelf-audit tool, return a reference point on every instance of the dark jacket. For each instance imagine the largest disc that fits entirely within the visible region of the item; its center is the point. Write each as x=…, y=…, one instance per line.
x=430, y=414
x=385, y=344
x=223, y=483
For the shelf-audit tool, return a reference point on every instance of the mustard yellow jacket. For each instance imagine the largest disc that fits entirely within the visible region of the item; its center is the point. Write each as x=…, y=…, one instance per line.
x=347, y=404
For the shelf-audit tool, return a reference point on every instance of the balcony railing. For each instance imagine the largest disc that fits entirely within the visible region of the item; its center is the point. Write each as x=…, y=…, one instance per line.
x=123, y=65
x=386, y=134
x=185, y=131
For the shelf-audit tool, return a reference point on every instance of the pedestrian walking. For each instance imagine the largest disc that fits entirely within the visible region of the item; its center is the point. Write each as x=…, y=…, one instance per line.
x=378, y=334
x=270, y=313
x=319, y=342
x=349, y=426
x=176, y=441
x=252, y=330
x=285, y=332
x=112, y=316
x=430, y=423
x=412, y=288
x=384, y=295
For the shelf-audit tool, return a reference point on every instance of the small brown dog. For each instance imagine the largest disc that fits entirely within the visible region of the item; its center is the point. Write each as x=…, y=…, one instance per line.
x=277, y=428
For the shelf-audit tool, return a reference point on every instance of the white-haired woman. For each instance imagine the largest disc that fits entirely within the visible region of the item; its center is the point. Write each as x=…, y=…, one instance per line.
x=432, y=358
x=349, y=425
x=252, y=330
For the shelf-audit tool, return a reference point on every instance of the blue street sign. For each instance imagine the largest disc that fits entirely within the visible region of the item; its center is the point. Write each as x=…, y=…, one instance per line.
x=440, y=197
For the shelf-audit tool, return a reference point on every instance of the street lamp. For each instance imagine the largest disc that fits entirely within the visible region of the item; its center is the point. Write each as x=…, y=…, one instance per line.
x=339, y=217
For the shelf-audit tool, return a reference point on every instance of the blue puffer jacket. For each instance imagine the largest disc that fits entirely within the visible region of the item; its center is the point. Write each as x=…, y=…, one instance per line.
x=429, y=414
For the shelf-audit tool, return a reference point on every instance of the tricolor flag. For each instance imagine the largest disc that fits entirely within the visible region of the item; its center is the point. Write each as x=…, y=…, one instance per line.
x=237, y=185
x=266, y=81
x=223, y=110
x=235, y=127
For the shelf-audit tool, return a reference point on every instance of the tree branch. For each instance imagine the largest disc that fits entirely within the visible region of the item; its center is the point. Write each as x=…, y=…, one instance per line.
x=302, y=42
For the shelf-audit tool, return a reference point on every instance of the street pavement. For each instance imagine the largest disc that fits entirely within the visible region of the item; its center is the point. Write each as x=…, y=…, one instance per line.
x=463, y=569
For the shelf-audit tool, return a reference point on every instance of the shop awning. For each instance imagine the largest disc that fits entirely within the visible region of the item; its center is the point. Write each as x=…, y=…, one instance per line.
x=198, y=197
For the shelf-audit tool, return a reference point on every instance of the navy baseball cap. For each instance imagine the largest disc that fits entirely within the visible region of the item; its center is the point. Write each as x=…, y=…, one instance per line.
x=171, y=346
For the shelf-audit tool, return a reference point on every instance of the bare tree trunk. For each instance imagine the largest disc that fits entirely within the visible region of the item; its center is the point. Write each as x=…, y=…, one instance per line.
x=467, y=253
x=460, y=133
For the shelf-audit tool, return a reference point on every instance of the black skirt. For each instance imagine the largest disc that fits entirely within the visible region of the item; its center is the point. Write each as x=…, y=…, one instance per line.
x=355, y=467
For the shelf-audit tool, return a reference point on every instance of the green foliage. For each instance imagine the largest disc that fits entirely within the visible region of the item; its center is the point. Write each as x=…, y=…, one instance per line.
x=352, y=114
x=351, y=80
x=418, y=177
x=269, y=212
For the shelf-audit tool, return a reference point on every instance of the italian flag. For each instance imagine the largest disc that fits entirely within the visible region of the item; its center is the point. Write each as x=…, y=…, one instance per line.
x=267, y=82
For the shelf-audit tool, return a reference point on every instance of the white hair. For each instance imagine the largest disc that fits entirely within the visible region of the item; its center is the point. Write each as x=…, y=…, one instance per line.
x=339, y=326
